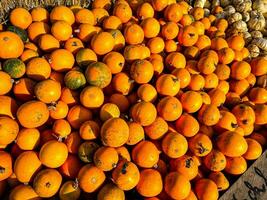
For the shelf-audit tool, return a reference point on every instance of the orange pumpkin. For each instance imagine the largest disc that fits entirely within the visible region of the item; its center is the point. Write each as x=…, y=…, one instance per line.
x=170, y=145
x=62, y=13
x=176, y=185
x=145, y=154
x=169, y=108
x=115, y=138
x=71, y=167
x=28, y=139
x=200, y=145
x=6, y=165
x=20, y=17
x=106, y=158
x=23, y=172
x=206, y=189
x=12, y=45
x=98, y=46
x=32, y=114
x=150, y=183
x=187, y=125
x=231, y=144
x=126, y=175
x=47, y=154
x=236, y=165
x=47, y=182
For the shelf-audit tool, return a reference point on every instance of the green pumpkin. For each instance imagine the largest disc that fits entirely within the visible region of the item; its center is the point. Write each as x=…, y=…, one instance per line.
x=87, y=150
x=19, y=31
x=74, y=79
x=85, y=56
x=14, y=67
x=98, y=74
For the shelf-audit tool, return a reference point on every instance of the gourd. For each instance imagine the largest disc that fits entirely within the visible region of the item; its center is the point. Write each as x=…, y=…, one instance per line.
x=254, y=50
x=256, y=34
x=200, y=3
x=261, y=43
x=229, y=10
x=245, y=16
x=257, y=20
x=234, y=17
x=225, y=3
x=242, y=5
x=260, y=6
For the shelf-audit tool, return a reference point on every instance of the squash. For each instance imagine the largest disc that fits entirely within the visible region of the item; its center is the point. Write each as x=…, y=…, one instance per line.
x=14, y=67
x=257, y=21
x=19, y=31
x=98, y=74
x=74, y=79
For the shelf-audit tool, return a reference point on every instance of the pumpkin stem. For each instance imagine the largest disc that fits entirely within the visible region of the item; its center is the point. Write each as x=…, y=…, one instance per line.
x=264, y=83
x=123, y=170
x=245, y=121
x=76, y=184
x=77, y=31
x=188, y=162
x=114, y=165
x=201, y=148
x=48, y=185
x=234, y=125
x=131, y=81
x=2, y=170
x=175, y=79
x=191, y=34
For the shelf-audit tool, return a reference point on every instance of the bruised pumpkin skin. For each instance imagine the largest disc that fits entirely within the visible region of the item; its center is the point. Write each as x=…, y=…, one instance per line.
x=32, y=114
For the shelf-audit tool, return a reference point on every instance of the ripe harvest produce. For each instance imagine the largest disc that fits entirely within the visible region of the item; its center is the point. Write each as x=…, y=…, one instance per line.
x=126, y=100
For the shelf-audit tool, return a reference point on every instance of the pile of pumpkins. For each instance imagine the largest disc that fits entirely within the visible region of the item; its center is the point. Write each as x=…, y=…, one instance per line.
x=126, y=100
x=245, y=17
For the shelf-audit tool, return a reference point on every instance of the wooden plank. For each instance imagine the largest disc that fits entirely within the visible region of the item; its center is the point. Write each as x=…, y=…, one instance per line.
x=252, y=185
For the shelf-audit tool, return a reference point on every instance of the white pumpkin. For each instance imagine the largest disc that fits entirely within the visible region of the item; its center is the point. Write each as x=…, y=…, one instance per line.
x=261, y=43
x=240, y=25
x=234, y=17
x=253, y=50
x=199, y=3
x=260, y=6
x=257, y=20
x=229, y=10
x=256, y=34
x=242, y=5
x=225, y=3
x=245, y=16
